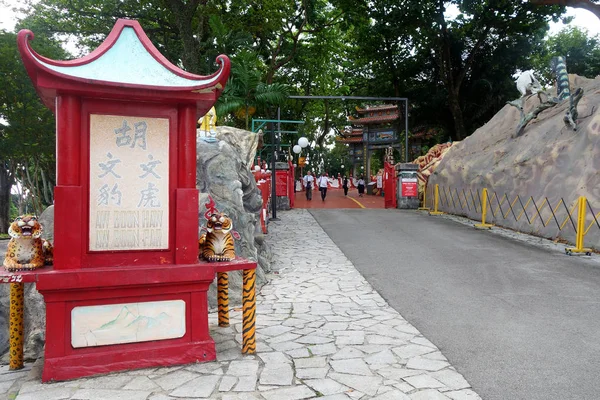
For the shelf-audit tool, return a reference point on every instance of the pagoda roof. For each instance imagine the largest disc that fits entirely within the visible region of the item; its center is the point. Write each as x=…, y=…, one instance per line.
x=353, y=132
x=377, y=119
x=377, y=108
x=125, y=65
x=354, y=139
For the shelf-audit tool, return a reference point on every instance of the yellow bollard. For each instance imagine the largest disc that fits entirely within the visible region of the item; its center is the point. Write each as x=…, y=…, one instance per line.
x=249, y=312
x=16, y=330
x=223, y=298
x=483, y=225
x=580, y=230
x=424, y=200
x=436, y=200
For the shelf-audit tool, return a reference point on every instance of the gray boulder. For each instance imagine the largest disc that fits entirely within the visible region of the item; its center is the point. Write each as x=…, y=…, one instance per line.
x=224, y=174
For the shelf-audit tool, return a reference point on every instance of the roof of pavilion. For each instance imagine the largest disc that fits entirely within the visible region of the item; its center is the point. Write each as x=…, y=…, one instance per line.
x=125, y=64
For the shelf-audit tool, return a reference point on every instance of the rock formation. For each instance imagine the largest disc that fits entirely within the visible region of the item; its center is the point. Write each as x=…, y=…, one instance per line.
x=550, y=160
x=223, y=171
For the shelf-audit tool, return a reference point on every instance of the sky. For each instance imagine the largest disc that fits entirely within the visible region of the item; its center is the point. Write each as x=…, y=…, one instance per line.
x=583, y=19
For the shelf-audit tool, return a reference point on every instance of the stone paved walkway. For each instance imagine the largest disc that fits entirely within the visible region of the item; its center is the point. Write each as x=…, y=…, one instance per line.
x=322, y=332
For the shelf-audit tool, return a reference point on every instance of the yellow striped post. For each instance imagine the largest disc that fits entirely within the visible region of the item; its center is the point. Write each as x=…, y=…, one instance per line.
x=424, y=199
x=483, y=225
x=16, y=329
x=223, y=298
x=436, y=200
x=580, y=230
x=249, y=312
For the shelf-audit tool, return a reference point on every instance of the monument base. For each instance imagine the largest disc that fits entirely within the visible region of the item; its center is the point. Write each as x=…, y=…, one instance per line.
x=101, y=320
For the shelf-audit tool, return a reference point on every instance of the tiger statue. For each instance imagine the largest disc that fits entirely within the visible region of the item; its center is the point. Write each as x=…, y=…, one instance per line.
x=217, y=243
x=26, y=249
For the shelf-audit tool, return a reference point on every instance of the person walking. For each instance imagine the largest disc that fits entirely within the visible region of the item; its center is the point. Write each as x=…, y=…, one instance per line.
x=323, y=181
x=361, y=186
x=308, y=183
x=345, y=186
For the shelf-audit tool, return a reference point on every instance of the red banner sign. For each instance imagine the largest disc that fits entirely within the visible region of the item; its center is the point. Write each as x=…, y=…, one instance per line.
x=281, y=178
x=409, y=188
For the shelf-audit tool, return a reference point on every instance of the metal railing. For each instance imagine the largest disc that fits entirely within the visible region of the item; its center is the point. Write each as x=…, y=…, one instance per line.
x=516, y=212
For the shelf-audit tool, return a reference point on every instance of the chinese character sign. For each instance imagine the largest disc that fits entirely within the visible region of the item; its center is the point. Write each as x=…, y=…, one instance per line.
x=129, y=183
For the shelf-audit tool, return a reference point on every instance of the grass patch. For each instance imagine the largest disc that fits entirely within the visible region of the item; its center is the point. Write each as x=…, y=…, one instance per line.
x=4, y=236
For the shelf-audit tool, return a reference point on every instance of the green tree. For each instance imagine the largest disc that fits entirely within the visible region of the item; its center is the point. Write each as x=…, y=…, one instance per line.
x=27, y=138
x=245, y=93
x=590, y=5
x=484, y=30
x=581, y=51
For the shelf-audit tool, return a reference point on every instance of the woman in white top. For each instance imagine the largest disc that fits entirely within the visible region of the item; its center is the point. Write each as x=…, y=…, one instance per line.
x=308, y=182
x=361, y=186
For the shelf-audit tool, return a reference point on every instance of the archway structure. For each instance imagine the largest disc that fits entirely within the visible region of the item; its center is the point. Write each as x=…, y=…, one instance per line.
x=371, y=142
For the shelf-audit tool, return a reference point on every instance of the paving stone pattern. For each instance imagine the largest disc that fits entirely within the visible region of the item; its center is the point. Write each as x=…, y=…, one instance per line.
x=322, y=332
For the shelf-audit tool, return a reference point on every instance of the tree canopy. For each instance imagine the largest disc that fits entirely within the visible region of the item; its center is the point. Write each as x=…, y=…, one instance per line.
x=454, y=60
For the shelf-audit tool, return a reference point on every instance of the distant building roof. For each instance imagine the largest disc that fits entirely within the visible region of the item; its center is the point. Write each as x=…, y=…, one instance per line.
x=352, y=139
x=378, y=118
x=377, y=108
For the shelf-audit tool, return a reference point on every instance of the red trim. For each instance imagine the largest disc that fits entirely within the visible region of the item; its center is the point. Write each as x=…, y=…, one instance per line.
x=65, y=290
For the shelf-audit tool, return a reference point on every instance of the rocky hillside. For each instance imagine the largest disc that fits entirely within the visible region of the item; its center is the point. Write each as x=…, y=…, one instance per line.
x=548, y=160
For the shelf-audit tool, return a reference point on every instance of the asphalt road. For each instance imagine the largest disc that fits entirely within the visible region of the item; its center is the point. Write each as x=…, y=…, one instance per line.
x=518, y=321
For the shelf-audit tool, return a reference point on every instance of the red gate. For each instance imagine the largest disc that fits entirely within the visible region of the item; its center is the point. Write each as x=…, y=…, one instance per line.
x=389, y=185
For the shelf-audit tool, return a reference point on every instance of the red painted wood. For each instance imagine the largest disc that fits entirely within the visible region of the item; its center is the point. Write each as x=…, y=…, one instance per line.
x=111, y=277
x=21, y=276
x=389, y=185
x=235, y=265
x=68, y=140
x=187, y=146
x=186, y=233
x=65, y=290
x=77, y=365
x=68, y=227
x=55, y=346
x=198, y=312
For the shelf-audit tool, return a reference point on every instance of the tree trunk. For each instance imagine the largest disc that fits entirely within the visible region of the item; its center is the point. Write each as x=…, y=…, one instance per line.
x=6, y=182
x=457, y=114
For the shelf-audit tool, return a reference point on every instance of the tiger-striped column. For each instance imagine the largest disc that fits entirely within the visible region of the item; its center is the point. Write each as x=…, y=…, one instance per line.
x=249, y=312
x=223, y=298
x=16, y=326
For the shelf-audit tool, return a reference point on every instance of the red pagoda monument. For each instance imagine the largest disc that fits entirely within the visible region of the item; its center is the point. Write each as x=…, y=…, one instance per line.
x=127, y=289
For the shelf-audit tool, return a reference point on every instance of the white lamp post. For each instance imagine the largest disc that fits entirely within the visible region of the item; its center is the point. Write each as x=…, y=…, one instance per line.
x=303, y=142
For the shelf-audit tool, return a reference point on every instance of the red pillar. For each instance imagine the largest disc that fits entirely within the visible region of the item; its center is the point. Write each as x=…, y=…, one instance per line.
x=68, y=216
x=186, y=235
